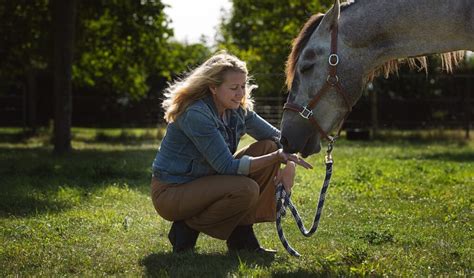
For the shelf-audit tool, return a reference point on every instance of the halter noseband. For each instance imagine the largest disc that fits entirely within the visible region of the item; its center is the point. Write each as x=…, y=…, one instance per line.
x=332, y=80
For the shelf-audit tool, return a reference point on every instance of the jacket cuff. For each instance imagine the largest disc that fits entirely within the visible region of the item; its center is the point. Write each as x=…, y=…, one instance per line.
x=244, y=165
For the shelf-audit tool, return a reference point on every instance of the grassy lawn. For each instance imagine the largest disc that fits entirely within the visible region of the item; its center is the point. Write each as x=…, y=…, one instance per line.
x=395, y=207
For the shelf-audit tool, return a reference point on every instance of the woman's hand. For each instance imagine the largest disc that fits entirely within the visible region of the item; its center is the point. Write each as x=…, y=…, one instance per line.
x=285, y=157
x=286, y=176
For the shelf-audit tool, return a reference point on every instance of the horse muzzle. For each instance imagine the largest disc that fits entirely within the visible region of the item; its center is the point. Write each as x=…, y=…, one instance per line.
x=299, y=137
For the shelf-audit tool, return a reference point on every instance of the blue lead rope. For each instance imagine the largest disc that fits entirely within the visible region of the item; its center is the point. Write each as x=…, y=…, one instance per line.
x=284, y=201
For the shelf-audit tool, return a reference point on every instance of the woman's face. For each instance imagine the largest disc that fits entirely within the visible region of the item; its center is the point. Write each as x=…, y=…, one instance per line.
x=229, y=94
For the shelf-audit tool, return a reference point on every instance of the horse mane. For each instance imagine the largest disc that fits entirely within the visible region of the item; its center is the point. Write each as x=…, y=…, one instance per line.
x=298, y=44
x=448, y=59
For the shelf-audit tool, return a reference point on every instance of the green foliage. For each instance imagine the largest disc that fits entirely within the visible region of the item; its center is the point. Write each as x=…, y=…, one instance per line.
x=261, y=32
x=185, y=57
x=119, y=44
x=121, y=47
x=470, y=60
x=25, y=39
x=394, y=208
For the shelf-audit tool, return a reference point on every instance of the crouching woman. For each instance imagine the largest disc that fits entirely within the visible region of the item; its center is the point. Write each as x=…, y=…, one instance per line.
x=200, y=181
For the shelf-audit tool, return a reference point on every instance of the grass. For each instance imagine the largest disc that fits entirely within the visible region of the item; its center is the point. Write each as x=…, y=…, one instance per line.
x=394, y=207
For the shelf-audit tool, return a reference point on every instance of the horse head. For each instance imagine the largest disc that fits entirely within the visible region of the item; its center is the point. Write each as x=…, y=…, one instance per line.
x=322, y=86
x=335, y=55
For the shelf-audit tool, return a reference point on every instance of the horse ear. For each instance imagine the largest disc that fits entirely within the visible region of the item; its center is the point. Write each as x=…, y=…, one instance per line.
x=332, y=16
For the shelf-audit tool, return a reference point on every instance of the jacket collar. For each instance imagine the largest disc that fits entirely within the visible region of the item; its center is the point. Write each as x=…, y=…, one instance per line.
x=209, y=101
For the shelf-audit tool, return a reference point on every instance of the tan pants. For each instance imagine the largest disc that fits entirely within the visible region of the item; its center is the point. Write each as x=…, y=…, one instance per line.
x=216, y=204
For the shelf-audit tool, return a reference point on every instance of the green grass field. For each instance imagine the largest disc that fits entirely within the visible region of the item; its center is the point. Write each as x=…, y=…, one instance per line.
x=394, y=207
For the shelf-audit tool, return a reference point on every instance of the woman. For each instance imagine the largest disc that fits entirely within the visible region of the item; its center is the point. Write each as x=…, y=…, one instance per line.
x=200, y=182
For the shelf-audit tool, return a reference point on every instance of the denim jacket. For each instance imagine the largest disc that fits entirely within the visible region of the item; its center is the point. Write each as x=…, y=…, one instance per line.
x=198, y=143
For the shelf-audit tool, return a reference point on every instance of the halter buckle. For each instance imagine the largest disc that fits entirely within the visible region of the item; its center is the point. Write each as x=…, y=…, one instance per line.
x=306, y=113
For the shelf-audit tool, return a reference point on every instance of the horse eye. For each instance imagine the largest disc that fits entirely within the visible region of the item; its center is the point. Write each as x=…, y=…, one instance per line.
x=306, y=67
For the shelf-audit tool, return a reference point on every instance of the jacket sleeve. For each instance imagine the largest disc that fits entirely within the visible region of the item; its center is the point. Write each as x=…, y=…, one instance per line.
x=259, y=128
x=202, y=131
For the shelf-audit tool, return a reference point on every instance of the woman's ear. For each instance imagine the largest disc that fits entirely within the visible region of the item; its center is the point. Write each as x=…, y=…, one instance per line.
x=213, y=89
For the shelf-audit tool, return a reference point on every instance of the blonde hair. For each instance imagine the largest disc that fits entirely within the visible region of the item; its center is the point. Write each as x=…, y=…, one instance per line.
x=183, y=92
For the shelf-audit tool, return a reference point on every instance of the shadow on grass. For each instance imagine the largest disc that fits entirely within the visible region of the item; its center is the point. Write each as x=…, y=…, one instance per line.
x=30, y=179
x=90, y=166
x=304, y=273
x=203, y=265
x=455, y=156
x=123, y=137
x=242, y=264
x=23, y=206
x=467, y=156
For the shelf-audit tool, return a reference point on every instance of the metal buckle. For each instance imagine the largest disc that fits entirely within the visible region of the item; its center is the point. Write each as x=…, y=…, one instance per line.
x=333, y=56
x=306, y=113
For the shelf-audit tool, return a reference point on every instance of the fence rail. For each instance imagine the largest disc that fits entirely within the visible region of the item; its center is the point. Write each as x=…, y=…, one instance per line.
x=387, y=110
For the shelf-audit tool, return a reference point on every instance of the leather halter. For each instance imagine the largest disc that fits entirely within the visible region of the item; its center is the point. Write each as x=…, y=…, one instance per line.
x=332, y=81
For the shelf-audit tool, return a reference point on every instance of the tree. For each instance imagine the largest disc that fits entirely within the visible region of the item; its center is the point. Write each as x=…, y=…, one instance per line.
x=64, y=18
x=119, y=44
x=123, y=49
x=25, y=38
x=25, y=43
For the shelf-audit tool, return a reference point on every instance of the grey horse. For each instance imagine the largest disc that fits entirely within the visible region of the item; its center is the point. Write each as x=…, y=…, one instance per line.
x=372, y=37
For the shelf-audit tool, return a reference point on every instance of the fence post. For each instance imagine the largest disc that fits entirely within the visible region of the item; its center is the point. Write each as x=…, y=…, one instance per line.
x=467, y=105
x=373, y=110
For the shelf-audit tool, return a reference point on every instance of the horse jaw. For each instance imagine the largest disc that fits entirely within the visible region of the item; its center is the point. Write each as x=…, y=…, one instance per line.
x=313, y=146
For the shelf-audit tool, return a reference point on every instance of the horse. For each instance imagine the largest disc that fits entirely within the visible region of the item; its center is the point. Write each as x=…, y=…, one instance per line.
x=337, y=53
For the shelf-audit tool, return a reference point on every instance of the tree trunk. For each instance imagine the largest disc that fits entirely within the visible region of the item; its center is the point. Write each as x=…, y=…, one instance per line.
x=64, y=17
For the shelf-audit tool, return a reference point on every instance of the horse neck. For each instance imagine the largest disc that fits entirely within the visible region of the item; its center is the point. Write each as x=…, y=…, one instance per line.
x=389, y=29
